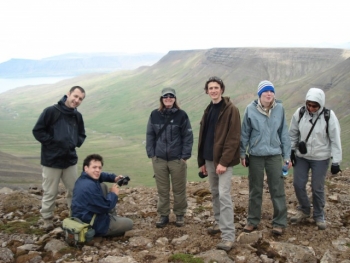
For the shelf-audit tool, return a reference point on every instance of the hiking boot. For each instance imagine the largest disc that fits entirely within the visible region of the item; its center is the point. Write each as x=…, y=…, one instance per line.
x=180, y=221
x=277, y=231
x=321, y=225
x=162, y=222
x=225, y=245
x=249, y=228
x=214, y=229
x=48, y=224
x=298, y=217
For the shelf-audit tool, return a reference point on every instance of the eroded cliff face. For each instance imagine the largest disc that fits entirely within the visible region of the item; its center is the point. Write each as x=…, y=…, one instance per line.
x=280, y=64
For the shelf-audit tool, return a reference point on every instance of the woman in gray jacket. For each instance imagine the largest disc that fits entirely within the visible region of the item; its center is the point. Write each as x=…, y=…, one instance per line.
x=265, y=135
x=322, y=144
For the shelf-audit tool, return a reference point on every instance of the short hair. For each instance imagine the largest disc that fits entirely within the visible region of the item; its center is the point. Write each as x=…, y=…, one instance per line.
x=89, y=158
x=162, y=106
x=72, y=89
x=218, y=81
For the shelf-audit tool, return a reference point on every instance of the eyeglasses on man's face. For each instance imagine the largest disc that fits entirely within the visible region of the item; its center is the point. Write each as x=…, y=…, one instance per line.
x=168, y=95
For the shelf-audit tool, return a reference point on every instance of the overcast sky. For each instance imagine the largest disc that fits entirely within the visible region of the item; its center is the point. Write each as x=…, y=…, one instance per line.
x=36, y=29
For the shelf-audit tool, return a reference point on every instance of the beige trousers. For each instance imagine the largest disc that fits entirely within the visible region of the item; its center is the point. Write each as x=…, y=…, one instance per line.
x=50, y=183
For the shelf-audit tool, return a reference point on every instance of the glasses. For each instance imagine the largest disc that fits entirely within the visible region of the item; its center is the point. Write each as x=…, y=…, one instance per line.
x=168, y=95
x=315, y=106
x=215, y=79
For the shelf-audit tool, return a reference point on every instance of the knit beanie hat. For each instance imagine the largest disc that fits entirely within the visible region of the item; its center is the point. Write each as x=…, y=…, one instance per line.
x=265, y=85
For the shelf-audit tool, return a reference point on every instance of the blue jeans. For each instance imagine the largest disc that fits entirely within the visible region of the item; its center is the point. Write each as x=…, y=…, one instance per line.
x=220, y=187
x=318, y=177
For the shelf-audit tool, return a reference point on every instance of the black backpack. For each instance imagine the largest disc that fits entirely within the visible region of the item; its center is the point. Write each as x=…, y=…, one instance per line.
x=326, y=113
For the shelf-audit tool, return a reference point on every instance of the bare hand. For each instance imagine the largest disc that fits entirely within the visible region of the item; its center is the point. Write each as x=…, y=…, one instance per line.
x=243, y=162
x=203, y=169
x=118, y=178
x=220, y=169
x=114, y=189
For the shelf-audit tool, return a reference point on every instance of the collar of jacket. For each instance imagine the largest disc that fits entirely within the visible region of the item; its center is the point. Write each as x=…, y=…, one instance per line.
x=225, y=102
x=262, y=110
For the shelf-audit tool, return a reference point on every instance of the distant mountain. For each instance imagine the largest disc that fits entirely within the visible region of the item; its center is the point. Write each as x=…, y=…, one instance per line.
x=118, y=104
x=75, y=64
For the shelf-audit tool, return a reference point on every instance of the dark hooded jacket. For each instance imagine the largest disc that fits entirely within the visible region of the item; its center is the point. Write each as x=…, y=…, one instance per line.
x=176, y=140
x=60, y=130
x=88, y=199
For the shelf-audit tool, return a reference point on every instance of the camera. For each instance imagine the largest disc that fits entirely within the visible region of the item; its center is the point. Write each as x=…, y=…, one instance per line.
x=123, y=181
x=302, y=147
x=202, y=175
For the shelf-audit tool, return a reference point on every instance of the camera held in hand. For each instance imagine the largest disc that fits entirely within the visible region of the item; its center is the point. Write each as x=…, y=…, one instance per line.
x=202, y=175
x=124, y=180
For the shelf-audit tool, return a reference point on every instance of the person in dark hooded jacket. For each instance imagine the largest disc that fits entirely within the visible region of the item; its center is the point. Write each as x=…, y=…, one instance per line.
x=59, y=129
x=169, y=141
x=91, y=196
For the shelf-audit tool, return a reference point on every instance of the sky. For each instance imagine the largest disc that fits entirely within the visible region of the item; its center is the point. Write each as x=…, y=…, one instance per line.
x=36, y=29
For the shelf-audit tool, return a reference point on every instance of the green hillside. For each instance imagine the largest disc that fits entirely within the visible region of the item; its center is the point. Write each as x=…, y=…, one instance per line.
x=117, y=105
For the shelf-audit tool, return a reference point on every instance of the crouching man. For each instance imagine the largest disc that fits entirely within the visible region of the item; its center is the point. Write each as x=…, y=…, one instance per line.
x=91, y=196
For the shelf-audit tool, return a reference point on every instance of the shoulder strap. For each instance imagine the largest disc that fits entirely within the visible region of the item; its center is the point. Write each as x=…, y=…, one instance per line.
x=56, y=115
x=327, y=114
x=92, y=220
x=165, y=125
x=313, y=125
x=301, y=113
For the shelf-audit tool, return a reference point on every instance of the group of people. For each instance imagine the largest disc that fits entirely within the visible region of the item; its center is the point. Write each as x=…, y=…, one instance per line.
x=261, y=142
x=60, y=129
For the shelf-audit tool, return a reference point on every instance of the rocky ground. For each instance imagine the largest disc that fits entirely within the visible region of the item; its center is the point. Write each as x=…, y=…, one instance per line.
x=146, y=243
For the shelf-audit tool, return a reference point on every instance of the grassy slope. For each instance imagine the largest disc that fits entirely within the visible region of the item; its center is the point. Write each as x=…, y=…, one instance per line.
x=118, y=105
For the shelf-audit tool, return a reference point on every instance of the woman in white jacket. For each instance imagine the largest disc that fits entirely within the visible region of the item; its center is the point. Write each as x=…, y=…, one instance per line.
x=322, y=144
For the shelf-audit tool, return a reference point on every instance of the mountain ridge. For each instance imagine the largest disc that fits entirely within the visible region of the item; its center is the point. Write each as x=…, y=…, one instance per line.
x=118, y=104
x=75, y=64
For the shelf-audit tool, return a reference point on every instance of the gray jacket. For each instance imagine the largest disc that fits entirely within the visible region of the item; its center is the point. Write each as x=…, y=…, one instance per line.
x=320, y=145
x=265, y=134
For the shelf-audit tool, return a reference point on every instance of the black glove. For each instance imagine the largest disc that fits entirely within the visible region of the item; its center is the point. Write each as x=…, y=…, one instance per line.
x=293, y=158
x=335, y=169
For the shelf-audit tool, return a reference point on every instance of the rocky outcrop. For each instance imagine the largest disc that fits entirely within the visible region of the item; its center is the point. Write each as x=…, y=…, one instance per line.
x=23, y=240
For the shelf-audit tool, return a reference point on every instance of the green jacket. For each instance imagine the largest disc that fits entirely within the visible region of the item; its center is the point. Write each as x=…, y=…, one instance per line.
x=226, y=136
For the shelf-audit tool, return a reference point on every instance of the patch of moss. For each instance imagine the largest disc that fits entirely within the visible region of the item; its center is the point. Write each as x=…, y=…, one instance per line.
x=22, y=227
x=184, y=258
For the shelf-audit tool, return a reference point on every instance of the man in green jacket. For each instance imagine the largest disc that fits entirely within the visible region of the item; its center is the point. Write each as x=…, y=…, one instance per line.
x=218, y=152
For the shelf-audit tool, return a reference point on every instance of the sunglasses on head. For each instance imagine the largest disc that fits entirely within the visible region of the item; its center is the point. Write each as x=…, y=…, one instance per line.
x=168, y=95
x=311, y=105
x=215, y=79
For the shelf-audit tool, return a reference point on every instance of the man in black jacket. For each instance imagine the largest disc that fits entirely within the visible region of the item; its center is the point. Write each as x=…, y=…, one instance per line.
x=59, y=129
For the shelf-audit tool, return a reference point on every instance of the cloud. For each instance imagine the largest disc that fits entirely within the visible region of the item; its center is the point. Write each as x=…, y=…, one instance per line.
x=42, y=28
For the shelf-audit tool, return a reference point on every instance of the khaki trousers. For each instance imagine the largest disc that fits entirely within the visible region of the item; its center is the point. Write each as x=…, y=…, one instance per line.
x=50, y=183
x=176, y=172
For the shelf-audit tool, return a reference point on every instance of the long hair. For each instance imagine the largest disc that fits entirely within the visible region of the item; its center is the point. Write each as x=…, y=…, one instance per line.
x=162, y=106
